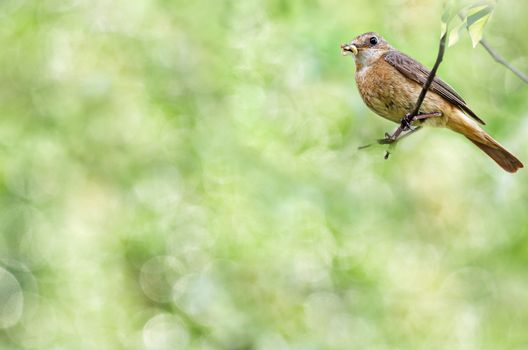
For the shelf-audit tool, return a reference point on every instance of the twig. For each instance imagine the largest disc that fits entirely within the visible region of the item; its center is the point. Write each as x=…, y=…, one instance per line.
x=383, y=141
x=364, y=146
x=502, y=61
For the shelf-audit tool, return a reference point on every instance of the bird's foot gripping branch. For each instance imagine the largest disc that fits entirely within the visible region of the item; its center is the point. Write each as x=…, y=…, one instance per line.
x=406, y=125
x=405, y=129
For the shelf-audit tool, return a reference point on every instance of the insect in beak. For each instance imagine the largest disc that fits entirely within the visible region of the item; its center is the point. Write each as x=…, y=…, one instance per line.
x=347, y=49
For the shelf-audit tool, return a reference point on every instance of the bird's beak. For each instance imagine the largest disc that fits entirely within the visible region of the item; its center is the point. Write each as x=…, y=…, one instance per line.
x=347, y=49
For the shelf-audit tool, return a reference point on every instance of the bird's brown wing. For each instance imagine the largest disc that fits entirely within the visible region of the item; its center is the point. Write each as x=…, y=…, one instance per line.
x=415, y=71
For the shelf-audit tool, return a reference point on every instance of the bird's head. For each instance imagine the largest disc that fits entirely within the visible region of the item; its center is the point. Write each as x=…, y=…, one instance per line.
x=366, y=48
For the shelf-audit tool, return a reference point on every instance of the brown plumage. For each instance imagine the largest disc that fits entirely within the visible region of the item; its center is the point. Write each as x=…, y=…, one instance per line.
x=414, y=70
x=389, y=82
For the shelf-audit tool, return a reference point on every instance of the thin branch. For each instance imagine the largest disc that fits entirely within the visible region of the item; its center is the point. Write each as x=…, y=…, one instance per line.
x=384, y=141
x=431, y=76
x=502, y=61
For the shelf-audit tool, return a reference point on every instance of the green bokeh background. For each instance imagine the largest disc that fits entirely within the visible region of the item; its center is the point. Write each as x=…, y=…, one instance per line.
x=185, y=175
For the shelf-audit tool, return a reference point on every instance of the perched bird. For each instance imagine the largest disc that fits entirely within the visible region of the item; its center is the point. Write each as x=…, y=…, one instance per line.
x=390, y=82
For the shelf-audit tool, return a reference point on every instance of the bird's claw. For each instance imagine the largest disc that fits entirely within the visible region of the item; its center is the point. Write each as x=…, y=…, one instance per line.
x=406, y=122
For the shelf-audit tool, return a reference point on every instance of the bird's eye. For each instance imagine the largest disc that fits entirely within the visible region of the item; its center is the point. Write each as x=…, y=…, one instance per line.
x=373, y=40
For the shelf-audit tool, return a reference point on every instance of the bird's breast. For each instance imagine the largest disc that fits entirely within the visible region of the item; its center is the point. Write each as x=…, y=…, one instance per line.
x=386, y=91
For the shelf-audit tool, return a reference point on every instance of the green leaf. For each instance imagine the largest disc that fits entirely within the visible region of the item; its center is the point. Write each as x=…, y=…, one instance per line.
x=454, y=34
x=477, y=12
x=451, y=11
x=477, y=18
x=443, y=28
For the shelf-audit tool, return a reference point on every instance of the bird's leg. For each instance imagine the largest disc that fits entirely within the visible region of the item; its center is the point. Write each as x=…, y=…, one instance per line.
x=405, y=129
x=397, y=135
x=406, y=125
x=388, y=141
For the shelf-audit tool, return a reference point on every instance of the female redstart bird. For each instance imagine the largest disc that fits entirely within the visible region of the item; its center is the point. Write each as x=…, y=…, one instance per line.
x=390, y=82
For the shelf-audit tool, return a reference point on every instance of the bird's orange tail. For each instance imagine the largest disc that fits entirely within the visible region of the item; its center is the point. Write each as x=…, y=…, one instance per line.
x=461, y=123
x=499, y=154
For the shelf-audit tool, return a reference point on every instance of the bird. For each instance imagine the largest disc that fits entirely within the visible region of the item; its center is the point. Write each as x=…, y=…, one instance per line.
x=390, y=82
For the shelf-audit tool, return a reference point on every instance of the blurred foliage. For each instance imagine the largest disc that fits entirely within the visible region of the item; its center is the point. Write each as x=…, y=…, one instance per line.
x=185, y=175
